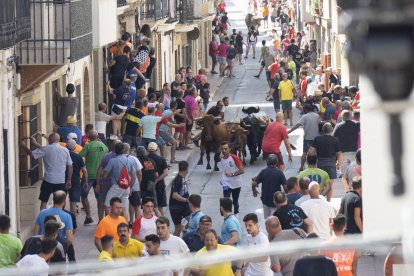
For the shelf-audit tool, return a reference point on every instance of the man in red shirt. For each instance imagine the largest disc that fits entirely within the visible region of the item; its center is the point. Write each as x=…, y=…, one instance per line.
x=274, y=134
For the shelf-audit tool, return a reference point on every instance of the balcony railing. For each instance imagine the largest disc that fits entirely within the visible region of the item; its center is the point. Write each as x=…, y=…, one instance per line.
x=61, y=32
x=154, y=9
x=14, y=22
x=121, y=3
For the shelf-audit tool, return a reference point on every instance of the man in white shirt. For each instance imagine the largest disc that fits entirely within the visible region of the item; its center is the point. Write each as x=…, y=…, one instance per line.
x=170, y=245
x=38, y=264
x=102, y=118
x=319, y=211
x=255, y=238
x=149, y=126
x=145, y=224
x=232, y=168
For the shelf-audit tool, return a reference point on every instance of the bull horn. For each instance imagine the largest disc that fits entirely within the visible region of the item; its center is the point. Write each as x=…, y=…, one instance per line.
x=243, y=109
x=258, y=108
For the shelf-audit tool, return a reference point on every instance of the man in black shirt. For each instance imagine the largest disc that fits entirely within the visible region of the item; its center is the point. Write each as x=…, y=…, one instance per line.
x=118, y=67
x=351, y=207
x=216, y=110
x=78, y=166
x=132, y=130
x=347, y=133
x=290, y=215
x=329, y=152
x=272, y=180
x=162, y=170
x=292, y=48
x=32, y=245
x=179, y=207
x=149, y=175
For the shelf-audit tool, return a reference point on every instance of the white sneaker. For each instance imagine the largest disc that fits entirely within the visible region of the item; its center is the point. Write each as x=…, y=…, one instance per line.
x=113, y=137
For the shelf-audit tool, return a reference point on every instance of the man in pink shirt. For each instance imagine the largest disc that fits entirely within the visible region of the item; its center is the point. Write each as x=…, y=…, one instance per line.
x=212, y=52
x=222, y=55
x=274, y=134
x=191, y=112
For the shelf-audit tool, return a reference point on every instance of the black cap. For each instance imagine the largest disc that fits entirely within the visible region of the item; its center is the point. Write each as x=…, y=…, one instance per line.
x=70, y=88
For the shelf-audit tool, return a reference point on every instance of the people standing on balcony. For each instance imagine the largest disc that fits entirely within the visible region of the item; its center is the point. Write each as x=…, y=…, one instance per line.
x=224, y=21
x=153, y=61
x=66, y=105
x=101, y=120
x=221, y=7
x=121, y=97
x=117, y=68
x=212, y=52
x=118, y=48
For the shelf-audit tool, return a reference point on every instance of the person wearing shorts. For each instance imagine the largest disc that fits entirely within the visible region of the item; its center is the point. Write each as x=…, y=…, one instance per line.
x=46, y=189
x=287, y=92
x=114, y=169
x=179, y=207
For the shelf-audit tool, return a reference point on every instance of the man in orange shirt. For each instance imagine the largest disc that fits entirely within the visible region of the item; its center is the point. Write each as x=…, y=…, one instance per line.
x=109, y=224
x=345, y=259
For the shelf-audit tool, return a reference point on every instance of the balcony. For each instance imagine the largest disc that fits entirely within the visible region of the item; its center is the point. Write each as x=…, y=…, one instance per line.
x=14, y=22
x=200, y=8
x=154, y=10
x=61, y=32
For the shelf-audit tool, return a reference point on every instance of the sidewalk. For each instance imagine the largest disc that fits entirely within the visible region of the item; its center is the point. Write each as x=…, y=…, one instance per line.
x=84, y=236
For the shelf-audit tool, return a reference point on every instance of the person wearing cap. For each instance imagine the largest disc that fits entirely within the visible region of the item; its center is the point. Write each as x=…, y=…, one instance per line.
x=93, y=153
x=59, y=200
x=70, y=136
x=66, y=105
x=162, y=170
x=78, y=167
x=58, y=167
x=70, y=127
x=32, y=245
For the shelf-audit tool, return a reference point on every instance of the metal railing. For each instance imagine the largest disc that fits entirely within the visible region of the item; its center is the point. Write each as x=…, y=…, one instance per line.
x=14, y=22
x=154, y=10
x=379, y=243
x=61, y=32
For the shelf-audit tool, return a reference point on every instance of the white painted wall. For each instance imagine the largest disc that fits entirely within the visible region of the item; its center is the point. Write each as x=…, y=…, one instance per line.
x=382, y=212
x=104, y=22
x=7, y=121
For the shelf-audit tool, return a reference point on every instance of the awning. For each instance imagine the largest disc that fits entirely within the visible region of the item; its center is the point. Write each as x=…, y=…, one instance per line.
x=163, y=28
x=33, y=75
x=192, y=30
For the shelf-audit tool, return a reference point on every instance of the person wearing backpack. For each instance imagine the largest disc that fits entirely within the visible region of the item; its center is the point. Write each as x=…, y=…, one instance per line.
x=122, y=173
x=252, y=40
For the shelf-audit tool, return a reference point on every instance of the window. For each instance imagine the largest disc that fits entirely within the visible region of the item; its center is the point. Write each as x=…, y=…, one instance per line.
x=29, y=169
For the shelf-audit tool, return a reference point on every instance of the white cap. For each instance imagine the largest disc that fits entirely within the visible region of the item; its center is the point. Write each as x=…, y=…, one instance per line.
x=152, y=146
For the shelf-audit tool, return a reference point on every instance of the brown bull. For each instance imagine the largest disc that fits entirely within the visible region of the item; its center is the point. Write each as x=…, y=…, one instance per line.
x=238, y=141
x=212, y=135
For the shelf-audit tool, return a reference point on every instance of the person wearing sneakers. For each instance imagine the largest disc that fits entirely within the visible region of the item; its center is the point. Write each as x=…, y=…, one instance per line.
x=93, y=153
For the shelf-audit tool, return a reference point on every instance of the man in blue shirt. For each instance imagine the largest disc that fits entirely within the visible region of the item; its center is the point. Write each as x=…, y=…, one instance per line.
x=66, y=231
x=195, y=240
x=70, y=127
x=230, y=230
x=194, y=201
